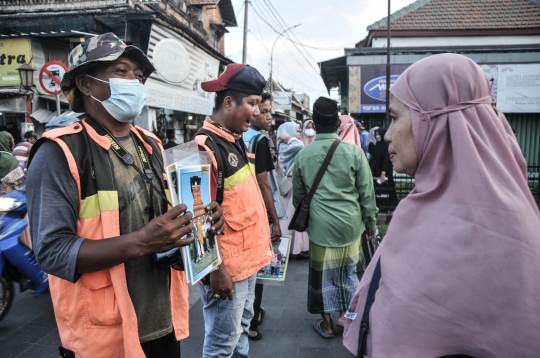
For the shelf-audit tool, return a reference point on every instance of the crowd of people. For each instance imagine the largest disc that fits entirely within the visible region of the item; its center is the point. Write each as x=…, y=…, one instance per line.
x=456, y=274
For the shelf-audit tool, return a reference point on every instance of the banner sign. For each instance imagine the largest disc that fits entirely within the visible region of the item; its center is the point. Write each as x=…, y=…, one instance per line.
x=13, y=53
x=518, y=88
x=180, y=68
x=282, y=101
x=373, y=86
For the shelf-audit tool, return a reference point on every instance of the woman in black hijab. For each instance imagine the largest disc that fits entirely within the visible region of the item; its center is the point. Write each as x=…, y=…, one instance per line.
x=383, y=173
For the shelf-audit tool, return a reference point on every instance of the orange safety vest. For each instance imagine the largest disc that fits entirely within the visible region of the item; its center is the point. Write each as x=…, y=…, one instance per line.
x=245, y=245
x=95, y=315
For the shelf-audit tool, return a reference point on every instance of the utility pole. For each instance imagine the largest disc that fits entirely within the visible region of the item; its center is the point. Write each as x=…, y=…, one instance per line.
x=244, y=52
x=272, y=66
x=388, y=66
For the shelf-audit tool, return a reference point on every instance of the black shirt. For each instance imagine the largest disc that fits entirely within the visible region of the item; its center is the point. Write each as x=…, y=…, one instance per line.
x=263, y=157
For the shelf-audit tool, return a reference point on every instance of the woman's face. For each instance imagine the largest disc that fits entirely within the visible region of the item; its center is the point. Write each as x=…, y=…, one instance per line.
x=309, y=125
x=400, y=136
x=298, y=134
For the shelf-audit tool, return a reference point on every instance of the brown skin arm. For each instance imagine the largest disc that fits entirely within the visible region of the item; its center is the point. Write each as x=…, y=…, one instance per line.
x=221, y=283
x=266, y=191
x=161, y=234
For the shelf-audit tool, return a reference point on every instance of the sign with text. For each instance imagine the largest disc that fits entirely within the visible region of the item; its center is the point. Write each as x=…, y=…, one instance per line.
x=518, y=88
x=13, y=53
x=282, y=101
x=373, y=87
x=181, y=68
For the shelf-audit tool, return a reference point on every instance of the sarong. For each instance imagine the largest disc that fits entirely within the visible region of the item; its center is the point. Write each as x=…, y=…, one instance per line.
x=332, y=277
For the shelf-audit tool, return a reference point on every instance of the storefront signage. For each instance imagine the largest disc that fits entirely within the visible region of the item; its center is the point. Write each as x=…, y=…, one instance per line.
x=13, y=53
x=376, y=88
x=13, y=105
x=50, y=77
x=282, y=101
x=518, y=88
x=177, y=83
x=373, y=85
x=171, y=60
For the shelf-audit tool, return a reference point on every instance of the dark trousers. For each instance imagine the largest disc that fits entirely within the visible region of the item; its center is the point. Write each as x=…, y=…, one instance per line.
x=256, y=307
x=164, y=347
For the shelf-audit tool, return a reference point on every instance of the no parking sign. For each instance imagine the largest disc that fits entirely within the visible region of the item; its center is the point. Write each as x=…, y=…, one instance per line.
x=50, y=77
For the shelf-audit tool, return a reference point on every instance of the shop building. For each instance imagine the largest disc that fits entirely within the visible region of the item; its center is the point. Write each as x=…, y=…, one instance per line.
x=502, y=36
x=184, y=38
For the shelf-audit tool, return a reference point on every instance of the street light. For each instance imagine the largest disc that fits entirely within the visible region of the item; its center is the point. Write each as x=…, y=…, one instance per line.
x=272, y=63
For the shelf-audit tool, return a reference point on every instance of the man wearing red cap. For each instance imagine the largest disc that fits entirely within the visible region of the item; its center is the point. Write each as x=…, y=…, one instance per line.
x=228, y=293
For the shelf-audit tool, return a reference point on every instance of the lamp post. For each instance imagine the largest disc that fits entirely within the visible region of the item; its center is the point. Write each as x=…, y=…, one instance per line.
x=26, y=74
x=272, y=63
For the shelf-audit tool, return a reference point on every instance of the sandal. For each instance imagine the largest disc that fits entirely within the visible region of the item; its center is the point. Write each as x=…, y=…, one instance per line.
x=260, y=321
x=318, y=328
x=255, y=338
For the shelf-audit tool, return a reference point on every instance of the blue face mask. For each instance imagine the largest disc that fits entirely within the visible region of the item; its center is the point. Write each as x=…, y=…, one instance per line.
x=127, y=98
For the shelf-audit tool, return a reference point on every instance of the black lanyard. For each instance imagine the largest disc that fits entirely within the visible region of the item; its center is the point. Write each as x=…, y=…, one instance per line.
x=127, y=158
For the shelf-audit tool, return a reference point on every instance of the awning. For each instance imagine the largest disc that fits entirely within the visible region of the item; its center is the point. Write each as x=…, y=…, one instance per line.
x=42, y=115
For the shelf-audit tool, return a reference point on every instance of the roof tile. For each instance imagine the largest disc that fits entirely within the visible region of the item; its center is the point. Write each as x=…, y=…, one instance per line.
x=465, y=14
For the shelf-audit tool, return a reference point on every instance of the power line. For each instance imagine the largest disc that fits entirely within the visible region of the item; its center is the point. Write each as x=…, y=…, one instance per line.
x=283, y=65
x=270, y=6
x=336, y=48
x=266, y=22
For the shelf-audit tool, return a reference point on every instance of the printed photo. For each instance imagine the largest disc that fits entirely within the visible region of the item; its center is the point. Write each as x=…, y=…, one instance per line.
x=275, y=271
x=194, y=191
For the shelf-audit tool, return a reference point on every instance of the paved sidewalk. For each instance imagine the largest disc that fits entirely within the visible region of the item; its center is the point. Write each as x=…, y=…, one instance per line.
x=29, y=330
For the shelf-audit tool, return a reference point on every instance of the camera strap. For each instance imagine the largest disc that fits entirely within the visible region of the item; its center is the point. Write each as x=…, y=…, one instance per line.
x=148, y=171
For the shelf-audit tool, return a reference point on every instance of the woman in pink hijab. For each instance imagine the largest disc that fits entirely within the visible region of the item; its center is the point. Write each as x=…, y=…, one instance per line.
x=459, y=266
x=348, y=132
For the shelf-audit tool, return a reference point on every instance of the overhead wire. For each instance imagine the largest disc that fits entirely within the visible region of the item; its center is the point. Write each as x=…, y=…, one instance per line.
x=276, y=60
x=285, y=26
x=302, y=66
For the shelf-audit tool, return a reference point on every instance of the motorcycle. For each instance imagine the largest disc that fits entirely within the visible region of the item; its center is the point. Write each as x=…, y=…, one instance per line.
x=17, y=262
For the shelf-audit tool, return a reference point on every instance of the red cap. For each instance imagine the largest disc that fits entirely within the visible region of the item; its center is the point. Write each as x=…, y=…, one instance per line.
x=238, y=77
x=221, y=83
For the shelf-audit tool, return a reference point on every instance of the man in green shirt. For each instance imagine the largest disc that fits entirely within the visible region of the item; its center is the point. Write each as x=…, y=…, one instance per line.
x=341, y=209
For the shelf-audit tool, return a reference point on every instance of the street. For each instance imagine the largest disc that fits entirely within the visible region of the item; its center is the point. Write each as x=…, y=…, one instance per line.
x=29, y=329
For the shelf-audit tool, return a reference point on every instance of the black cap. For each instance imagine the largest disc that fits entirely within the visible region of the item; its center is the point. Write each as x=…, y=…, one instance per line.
x=325, y=112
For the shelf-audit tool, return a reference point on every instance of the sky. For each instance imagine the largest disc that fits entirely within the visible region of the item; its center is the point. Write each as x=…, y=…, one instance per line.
x=329, y=26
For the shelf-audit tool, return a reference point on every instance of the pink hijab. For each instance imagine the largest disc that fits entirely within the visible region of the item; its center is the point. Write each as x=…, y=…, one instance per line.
x=460, y=263
x=347, y=131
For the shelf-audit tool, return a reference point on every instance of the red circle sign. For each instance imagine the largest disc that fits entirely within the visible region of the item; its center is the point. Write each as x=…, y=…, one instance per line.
x=50, y=77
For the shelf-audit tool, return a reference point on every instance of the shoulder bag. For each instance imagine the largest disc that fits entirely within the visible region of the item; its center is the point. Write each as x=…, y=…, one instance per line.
x=300, y=219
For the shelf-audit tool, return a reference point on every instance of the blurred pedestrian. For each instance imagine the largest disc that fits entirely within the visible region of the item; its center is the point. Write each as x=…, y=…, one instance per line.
x=308, y=132
x=364, y=135
x=342, y=207
x=22, y=150
x=457, y=272
x=288, y=148
x=11, y=174
x=383, y=173
x=171, y=139
x=372, y=140
x=348, y=132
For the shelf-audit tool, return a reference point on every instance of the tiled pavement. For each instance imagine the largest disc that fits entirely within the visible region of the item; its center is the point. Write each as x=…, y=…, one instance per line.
x=29, y=329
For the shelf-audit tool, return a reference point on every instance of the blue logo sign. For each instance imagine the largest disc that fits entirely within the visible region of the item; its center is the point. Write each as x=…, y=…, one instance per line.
x=376, y=88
